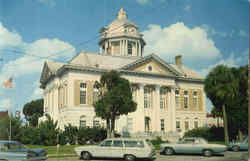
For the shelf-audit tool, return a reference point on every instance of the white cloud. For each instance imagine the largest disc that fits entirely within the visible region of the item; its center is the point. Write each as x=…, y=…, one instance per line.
x=37, y=92
x=143, y=2
x=192, y=43
x=242, y=33
x=50, y=3
x=8, y=38
x=211, y=31
x=6, y=104
x=187, y=7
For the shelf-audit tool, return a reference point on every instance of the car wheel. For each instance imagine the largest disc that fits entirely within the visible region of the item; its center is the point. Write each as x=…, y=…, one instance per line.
x=129, y=157
x=85, y=156
x=207, y=153
x=235, y=148
x=168, y=151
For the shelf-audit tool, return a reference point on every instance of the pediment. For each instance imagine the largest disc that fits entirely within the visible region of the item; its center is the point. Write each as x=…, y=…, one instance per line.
x=151, y=64
x=46, y=73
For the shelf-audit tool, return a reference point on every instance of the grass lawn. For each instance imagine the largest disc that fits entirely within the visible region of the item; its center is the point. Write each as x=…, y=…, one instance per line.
x=65, y=150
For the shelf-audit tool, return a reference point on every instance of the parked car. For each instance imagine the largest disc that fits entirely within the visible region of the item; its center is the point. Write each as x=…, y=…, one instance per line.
x=192, y=145
x=15, y=151
x=127, y=148
x=239, y=145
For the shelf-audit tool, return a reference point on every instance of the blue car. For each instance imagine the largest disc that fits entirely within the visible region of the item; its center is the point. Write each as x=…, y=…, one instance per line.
x=239, y=145
x=15, y=151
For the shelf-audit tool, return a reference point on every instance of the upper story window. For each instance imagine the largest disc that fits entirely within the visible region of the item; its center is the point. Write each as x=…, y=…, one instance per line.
x=185, y=99
x=163, y=98
x=147, y=97
x=177, y=98
x=83, y=93
x=195, y=102
x=129, y=48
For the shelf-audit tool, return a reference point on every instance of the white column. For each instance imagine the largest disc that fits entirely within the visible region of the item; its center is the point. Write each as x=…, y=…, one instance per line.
x=105, y=48
x=136, y=49
x=173, y=110
x=156, y=109
x=139, y=119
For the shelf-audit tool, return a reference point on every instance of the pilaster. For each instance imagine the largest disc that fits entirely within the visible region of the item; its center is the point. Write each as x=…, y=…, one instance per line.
x=156, y=109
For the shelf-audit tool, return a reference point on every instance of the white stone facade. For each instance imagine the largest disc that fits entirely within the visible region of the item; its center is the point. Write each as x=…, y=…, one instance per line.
x=170, y=98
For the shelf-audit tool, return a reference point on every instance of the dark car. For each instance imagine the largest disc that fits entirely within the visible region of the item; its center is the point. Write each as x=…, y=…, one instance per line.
x=15, y=151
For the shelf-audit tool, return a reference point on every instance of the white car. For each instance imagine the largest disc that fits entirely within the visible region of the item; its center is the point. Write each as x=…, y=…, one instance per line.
x=127, y=148
x=192, y=145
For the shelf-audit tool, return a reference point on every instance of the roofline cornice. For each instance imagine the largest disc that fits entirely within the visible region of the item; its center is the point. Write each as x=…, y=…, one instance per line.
x=121, y=36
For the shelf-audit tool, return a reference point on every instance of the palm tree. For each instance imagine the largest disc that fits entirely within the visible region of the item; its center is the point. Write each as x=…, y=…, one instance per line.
x=221, y=89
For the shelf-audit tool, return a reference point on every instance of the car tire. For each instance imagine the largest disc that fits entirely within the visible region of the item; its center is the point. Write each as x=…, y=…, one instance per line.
x=85, y=155
x=168, y=151
x=207, y=153
x=235, y=148
x=129, y=157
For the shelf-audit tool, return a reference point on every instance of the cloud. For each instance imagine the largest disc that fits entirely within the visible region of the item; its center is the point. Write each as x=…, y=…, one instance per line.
x=192, y=43
x=143, y=2
x=242, y=33
x=6, y=104
x=8, y=38
x=211, y=31
x=50, y=3
x=187, y=7
x=37, y=92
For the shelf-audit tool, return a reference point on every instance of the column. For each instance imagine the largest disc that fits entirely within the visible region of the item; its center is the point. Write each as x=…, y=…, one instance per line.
x=136, y=49
x=139, y=116
x=156, y=109
x=139, y=48
x=126, y=47
x=173, y=110
x=105, y=48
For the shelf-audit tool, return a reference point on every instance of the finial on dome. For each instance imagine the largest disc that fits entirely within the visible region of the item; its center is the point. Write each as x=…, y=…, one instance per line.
x=122, y=14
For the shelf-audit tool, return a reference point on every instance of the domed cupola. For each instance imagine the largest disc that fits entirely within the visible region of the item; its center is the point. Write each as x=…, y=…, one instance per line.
x=121, y=38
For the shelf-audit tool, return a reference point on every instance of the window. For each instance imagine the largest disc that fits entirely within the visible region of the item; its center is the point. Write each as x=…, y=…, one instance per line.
x=178, y=125
x=163, y=98
x=131, y=144
x=196, y=124
x=82, y=123
x=83, y=93
x=147, y=124
x=130, y=124
x=147, y=97
x=177, y=98
x=186, y=125
x=107, y=143
x=195, y=99
x=96, y=123
x=162, y=125
x=95, y=95
x=129, y=48
x=117, y=143
x=185, y=99
x=150, y=68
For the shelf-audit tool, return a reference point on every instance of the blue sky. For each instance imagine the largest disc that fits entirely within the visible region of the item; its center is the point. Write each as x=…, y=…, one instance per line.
x=205, y=32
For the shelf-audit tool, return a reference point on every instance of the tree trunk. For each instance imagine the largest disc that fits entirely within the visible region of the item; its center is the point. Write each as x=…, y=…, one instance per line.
x=225, y=124
x=113, y=127
x=108, y=128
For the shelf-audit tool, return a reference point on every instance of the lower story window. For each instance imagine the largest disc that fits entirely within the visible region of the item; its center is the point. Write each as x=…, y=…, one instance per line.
x=162, y=125
x=195, y=124
x=82, y=123
x=186, y=125
x=96, y=123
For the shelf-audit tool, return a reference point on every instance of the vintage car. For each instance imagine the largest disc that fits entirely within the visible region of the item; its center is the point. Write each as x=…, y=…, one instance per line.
x=127, y=148
x=239, y=145
x=15, y=151
x=192, y=145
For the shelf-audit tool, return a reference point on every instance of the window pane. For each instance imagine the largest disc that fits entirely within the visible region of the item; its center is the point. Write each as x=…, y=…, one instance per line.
x=117, y=143
x=82, y=97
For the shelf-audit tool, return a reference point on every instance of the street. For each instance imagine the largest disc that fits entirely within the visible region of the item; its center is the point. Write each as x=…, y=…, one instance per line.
x=227, y=156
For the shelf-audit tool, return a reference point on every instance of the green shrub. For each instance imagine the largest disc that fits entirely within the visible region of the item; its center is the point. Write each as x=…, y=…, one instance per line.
x=91, y=135
x=70, y=134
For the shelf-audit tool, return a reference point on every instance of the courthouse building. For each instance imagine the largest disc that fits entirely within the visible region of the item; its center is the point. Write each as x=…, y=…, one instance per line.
x=169, y=96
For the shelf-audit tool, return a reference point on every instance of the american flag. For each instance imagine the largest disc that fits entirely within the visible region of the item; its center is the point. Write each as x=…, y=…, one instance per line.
x=8, y=83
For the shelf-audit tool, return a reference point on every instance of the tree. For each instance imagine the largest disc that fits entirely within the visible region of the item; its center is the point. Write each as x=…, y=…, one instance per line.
x=221, y=88
x=115, y=99
x=33, y=110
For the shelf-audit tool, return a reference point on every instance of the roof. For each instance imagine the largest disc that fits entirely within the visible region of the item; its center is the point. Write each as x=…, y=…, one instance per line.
x=102, y=61
x=186, y=71
x=54, y=66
